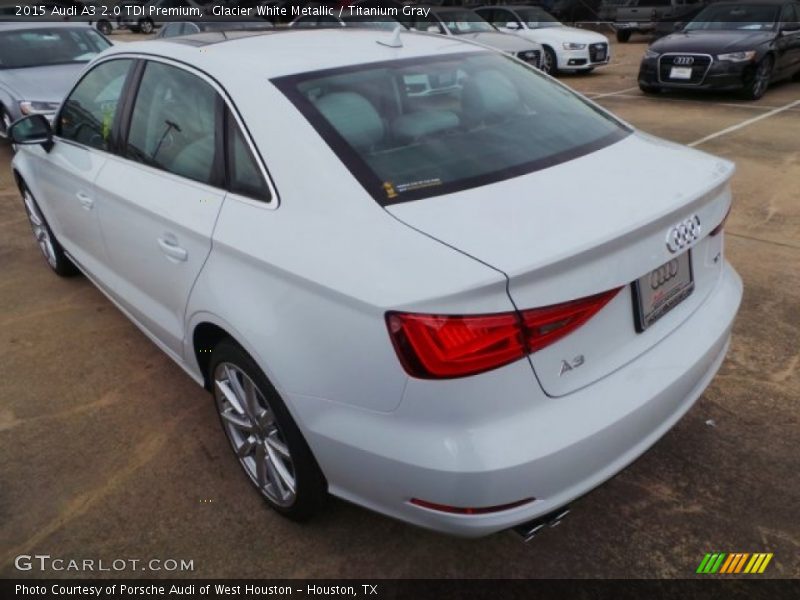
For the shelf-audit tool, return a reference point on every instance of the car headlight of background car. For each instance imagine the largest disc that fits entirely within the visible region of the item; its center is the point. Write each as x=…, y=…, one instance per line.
x=651, y=54
x=30, y=107
x=738, y=56
x=573, y=46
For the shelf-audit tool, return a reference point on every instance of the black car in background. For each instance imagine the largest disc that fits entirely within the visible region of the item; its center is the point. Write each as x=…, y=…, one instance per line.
x=741, y=46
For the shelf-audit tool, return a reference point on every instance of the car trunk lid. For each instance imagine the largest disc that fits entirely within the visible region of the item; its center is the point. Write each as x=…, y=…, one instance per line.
x=596, y=223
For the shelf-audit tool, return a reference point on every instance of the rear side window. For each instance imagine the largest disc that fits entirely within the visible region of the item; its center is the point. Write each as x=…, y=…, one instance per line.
x=414, y=128
x=789, y=15
x=244, y=175
x=174, y=124
x=89, y=112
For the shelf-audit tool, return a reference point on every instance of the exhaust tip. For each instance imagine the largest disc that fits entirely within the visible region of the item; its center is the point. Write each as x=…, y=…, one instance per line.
x=528, y=531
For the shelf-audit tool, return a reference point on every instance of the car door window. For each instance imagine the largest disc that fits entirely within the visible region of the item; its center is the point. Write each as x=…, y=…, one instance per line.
x=174, y=123
x=788, y=17
x=171, y=30
x=244, y=174
x=89, y=112
x=501, y=18
x=424, y=23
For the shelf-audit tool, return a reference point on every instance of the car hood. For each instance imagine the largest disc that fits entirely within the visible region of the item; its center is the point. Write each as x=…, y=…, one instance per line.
x=45, y=84
x=712, y=42
x=500, y=41
x=557, y=35
x=547, y=217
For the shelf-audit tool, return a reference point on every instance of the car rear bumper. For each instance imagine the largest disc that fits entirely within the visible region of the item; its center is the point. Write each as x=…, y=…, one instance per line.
x=636, y=26
x=552, y=449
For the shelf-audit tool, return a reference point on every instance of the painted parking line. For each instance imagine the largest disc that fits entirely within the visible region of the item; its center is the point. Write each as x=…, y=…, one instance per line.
x=743, y=124
x=704, y=102
x=594, y=96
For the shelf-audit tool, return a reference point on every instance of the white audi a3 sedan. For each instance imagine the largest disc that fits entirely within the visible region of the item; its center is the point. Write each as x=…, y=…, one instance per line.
x=462, y=310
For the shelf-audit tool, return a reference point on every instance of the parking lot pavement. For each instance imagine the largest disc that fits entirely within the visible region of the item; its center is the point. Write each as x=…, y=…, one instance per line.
x=109, y=450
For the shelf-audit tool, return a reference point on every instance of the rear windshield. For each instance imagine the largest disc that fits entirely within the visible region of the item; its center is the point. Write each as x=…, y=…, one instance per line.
x=42, y=47
x=423, y=127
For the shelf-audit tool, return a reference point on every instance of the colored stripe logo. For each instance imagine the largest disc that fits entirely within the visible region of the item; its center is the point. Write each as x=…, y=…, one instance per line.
x=735, y=562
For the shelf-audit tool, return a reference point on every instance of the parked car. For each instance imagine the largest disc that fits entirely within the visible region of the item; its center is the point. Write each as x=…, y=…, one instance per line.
x=39, y=62
x=349, y=19
x=644, y=16
x=145, y=23
x=470, y=26
x=564, y=48
x=741, y=46
x=573, y=11
x=209, y=23
x=416, y=304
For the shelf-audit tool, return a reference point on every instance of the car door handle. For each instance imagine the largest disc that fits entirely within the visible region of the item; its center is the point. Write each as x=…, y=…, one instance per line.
x=169, y=246
x=85, y=200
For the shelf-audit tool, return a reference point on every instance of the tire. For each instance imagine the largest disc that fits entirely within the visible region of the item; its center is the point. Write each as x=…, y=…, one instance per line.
x=104, y=27
x=757, y=86
x=623, y=36
x=146, y=26
x=5, y=123
x=649, y=89
x=549, y=61
x=52, y=251
x=264, y=437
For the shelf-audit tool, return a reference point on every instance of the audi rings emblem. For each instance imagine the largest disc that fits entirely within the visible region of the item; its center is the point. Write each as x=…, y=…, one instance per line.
x=684, y=234
x=663, y=274
x=683, y=60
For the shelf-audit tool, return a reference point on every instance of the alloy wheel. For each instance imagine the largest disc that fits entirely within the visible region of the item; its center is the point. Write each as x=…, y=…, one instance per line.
x=40, y=230
x=5, y=123
x=547, y=62
x=254, y=434
x=761, y=78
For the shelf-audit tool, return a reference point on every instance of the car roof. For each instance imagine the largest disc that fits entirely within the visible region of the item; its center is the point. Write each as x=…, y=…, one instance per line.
x=274, y=53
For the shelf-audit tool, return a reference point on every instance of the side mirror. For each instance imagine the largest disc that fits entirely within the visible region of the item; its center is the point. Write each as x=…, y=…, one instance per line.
x=513, y=25
x=32, y=130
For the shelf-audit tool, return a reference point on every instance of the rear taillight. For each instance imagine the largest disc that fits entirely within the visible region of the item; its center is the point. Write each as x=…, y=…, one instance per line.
x=442, y=346
x=434, y=347
x=718, y=229
x=543, y=326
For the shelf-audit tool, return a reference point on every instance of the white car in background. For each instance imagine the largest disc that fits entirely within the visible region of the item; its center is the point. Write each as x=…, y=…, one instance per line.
x=565, y=48
x=457, y=310
x=464, y=23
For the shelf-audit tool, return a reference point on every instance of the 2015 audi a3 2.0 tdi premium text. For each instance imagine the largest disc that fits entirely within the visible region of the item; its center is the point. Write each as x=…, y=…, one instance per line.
x=446, y=308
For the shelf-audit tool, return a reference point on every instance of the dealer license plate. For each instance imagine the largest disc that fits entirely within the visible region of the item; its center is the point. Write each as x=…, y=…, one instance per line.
x=680, y=73
x=661, y=290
